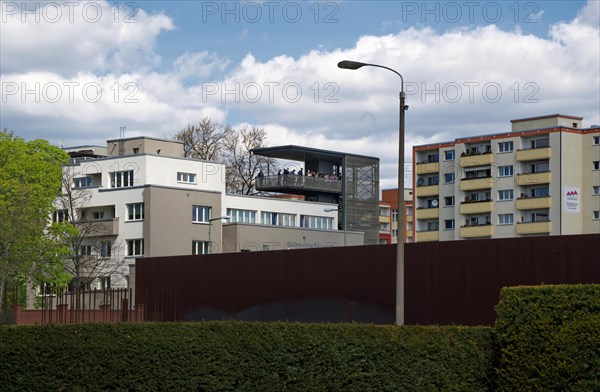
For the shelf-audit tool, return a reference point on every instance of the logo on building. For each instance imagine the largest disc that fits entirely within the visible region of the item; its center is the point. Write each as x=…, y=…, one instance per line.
x=571, y=199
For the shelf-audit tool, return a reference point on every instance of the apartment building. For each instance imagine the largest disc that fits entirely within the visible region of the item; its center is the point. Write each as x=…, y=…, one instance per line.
x=541, y=178
x=390, y=197
x=140, y=197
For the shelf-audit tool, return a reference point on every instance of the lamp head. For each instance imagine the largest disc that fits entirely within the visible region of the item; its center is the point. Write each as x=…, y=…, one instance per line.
x=348, y=64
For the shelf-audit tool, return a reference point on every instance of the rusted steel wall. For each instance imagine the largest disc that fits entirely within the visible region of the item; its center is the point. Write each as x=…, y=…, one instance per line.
x=453, y=282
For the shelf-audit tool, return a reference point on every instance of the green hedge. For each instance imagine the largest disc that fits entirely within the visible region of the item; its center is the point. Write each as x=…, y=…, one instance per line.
x=234, y=356
x=549, y=338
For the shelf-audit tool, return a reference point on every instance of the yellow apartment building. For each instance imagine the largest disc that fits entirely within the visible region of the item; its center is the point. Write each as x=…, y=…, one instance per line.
x=542, y=178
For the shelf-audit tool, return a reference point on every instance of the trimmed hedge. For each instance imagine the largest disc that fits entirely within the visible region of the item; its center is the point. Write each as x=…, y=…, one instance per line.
x=237, y=356
x=549, y=338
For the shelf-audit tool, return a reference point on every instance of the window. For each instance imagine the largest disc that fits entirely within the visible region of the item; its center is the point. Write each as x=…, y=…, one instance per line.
x=449, y=178
x=540, y=217
x=504, y=195
x=540, y=192
x=105, y=248
x=136, y=150
x=596, y=215
x=449, y=155
x=85, y=250
x=121, y=179
x=596, y=190
x=540, y=143
x=188, y=178
x=98, y=215
x=241, y=216
x=449, y=224
x=433, y=226
x=135, y=211
x=82, y=182
x=135, y=247
x=505, y=171
x=201, y=214
x=278, y=219
x=394, y=232
x=394, y=215
x=200, y=247
x=596, y=165
x=505, y=219
x=60, y=216
x=448, y=201
x=319, y=222
x=105, y=283
x=505, y=146
x=431, y=158
x=596, y=140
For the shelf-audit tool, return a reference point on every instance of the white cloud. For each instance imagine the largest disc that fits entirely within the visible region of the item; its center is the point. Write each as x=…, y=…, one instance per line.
x=452, y=80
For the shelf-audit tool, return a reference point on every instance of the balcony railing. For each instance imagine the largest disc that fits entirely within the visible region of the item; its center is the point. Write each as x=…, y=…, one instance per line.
x=291, y=182
x=534, y=178
x=427, y=190
x=534, y=203
x=469, y=184
x=475, y=231
x=431, y=235
x=476, y=207
x=101, y=228
x=534, y=154
x=534, y=227
x=428, y=213
x=428, y=167
x=476, y=160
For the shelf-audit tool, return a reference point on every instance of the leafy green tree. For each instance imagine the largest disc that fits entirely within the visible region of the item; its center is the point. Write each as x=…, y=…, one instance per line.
x=30, y=180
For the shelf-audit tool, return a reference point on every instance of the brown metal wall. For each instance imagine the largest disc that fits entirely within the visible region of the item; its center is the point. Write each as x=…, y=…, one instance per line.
x=452, y=282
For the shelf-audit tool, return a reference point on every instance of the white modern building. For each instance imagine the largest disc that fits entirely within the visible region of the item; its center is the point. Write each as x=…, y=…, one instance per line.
x=143, y=198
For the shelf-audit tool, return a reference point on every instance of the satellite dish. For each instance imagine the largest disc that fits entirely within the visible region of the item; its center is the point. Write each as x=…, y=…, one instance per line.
x=421, y=181
x=434, y=203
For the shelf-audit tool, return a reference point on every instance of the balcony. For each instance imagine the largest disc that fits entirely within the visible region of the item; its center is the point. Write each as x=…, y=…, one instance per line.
x=409, y=218
x=409, y=234
x=430, y=190
x=476, y=231
x=299, y=184
x=534, y=154
x=428, y=168
x=476, y=207
x=534, y=203
x=101, y=228
x=428, y=213
x=423, y=236
x=471, y=184
x=534, y=227
x=534, y=178
x=476, y=160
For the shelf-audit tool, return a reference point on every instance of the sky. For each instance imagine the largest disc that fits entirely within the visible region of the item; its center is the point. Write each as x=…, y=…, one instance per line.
x=75, y=72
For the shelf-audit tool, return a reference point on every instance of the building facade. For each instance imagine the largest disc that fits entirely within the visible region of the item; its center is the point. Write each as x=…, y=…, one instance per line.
x=140, y=197
x=542, y=178
x=390, y=197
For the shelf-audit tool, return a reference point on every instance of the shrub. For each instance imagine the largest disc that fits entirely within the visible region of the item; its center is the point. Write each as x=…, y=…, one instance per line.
x=236, y=356
x=549, y=338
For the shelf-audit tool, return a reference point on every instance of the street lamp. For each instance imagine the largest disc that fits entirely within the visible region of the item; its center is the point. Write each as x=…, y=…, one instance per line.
x=344, y=223
x=347, y=64
x=210, y=221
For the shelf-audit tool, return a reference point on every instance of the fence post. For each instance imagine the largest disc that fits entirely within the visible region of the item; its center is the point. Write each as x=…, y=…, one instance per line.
x=124, y=309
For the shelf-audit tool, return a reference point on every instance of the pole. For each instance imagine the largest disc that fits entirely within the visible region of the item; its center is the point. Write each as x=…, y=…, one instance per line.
x=401, y=225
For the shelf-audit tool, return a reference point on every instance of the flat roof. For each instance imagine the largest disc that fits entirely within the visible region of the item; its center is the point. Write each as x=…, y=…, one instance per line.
x=546, y=116
x=300, y=153
x=143, y=137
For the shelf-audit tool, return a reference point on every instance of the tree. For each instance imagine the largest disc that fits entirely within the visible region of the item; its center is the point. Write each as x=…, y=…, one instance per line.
x=30, y=178
x=242, y=166
x=214, y=141
x=204, y=140
x=86, y=232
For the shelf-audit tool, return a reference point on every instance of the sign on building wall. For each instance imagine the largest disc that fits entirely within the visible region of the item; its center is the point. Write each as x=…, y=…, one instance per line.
x=571, y=199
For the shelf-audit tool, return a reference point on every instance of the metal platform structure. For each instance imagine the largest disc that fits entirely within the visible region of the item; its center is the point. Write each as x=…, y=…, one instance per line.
x=349, y=181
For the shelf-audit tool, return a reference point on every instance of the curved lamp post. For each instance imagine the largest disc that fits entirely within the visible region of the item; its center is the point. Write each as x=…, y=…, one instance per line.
x=347, y=64
x=210, y=221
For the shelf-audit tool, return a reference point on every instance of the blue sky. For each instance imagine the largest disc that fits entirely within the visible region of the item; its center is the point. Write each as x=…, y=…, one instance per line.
x=154, y=66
